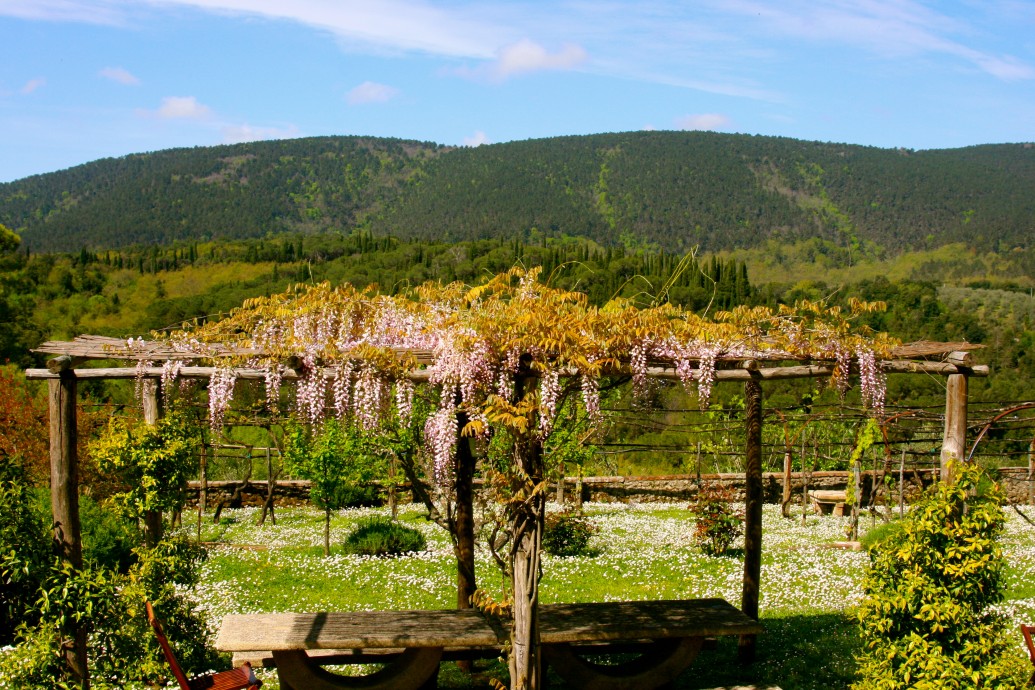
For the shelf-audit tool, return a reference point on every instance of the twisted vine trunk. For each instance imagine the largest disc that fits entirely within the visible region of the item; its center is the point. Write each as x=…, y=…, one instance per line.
x=527, y=524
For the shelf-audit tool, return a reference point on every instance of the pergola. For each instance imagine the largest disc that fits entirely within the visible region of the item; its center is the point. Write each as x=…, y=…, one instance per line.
x=143, y=359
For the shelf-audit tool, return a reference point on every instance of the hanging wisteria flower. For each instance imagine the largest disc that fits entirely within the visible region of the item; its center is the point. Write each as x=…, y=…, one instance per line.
x=872, y=381
x=342, y=389
x=170, y=371
x=404, y=392
x=273, y=376
x=440, y=431
x=220, y=393
x=549, y=392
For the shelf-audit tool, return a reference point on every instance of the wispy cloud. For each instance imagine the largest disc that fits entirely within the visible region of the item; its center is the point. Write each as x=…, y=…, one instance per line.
x=179, y=108
x=703, y=121
x=371, y=92
x=33, y=85
x=238, y=134
x=476, y=139
x=888, y=28
x=81, y=11
x=528, y=56
x=120, y=75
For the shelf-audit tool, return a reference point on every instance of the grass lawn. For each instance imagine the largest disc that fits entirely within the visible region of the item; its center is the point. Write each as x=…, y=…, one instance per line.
x=808, y=592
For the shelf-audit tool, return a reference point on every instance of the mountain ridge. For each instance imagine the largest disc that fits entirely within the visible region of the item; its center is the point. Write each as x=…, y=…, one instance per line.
x=666, y=190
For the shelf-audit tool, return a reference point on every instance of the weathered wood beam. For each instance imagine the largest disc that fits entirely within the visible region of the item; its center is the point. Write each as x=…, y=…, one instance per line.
x=954, y=438
x=151, y=401
x=770, y=373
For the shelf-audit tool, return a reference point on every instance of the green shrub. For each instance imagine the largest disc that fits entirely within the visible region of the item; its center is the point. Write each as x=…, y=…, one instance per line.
x=24, y=547
x=926, y=620
x=886, y=533
x=381, y=536
x=718, y=525
x=108, y=537
x=568, y=534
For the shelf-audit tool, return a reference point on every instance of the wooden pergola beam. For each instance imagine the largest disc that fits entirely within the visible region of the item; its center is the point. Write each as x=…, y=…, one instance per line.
x=769, y=373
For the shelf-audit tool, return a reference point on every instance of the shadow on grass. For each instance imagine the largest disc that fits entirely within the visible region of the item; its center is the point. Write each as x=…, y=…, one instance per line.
x=802, y=652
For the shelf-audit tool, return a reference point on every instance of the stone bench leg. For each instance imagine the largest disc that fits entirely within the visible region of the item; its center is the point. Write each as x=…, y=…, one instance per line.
x=414, y=669
x=658, y=666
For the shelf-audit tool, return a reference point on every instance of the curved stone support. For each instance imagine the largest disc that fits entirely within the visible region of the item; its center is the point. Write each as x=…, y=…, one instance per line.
x=412, y=670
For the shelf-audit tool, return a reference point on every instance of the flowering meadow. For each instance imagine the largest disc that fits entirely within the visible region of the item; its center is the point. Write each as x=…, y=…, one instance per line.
x=809, y=587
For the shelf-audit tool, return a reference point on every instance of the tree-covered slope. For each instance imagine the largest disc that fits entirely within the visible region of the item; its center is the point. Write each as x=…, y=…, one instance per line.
x=672, y=190
x=223, y=192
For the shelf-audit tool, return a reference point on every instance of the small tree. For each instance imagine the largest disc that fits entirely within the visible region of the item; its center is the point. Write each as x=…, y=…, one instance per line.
x=153, y=462
x=334, y=459
x=926, y=621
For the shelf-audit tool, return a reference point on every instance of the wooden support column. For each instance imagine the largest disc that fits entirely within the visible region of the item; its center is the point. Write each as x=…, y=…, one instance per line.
x=64, y=495
x=954, y=440
x=752, y=514
x=151, y=399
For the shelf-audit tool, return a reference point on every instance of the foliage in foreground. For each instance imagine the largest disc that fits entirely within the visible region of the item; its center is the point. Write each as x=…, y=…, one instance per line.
x=926, y=621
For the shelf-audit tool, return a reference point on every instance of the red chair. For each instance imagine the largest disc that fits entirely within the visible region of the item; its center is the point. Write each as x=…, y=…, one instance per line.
x=1027, y=630
x=240, y=678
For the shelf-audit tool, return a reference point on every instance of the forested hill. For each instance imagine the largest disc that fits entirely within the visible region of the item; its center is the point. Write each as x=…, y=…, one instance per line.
x=671, y=190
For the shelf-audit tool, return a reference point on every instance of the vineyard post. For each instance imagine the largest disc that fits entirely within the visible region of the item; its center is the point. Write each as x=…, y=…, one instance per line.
x=64, y=494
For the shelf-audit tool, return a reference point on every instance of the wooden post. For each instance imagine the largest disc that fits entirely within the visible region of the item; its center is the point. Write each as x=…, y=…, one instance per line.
x=64, y=497
x=752, y=514
x=785, y=501
x=151, y=400
x=1031, y=472
x=902, y=484
x=954, y=440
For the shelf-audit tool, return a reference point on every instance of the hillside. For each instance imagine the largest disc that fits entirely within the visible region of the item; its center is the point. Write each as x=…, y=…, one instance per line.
x=668, y=190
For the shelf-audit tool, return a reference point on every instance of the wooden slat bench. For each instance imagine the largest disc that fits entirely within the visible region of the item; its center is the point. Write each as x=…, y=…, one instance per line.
x=672, y=630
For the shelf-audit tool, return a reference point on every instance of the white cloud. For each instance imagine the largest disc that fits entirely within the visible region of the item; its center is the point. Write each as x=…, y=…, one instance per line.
x=371, y=92
x=120, y=75
x=238, y=134
x=476, y=139
x=33, y=85
x=528, y=56
x=179, y=108
x=703, y=121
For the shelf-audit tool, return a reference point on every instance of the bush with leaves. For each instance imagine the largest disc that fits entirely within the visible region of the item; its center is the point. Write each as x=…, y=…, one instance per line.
x=718, y=524
x=381, y=536
x=153, y=461
x=24, y=547
x=568, y=534
x=926, y=621
x=122, y=648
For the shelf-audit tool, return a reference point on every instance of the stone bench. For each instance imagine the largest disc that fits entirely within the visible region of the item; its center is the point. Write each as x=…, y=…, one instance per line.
x=828, y=502
x=668, y=633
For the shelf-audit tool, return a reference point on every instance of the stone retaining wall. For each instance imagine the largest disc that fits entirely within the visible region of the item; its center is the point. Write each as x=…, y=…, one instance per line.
x=673, y=488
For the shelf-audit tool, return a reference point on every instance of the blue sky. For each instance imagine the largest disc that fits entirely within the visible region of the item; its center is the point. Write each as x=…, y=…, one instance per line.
x=87, y=79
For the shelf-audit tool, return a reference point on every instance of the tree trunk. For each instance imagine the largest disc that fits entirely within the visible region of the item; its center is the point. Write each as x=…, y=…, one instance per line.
x=464, y=519
x=527, y=524
x=752, y=513
x=326, y=532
